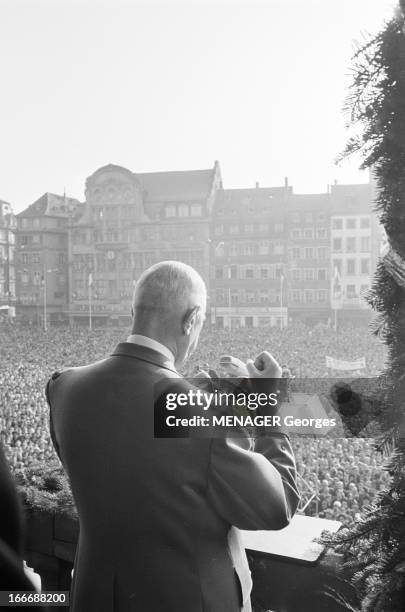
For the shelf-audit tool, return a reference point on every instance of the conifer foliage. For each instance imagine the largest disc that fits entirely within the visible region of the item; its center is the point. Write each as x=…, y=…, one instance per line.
x=375, y=546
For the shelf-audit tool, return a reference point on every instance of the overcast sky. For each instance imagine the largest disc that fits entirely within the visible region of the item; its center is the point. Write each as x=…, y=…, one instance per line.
x=165, y=85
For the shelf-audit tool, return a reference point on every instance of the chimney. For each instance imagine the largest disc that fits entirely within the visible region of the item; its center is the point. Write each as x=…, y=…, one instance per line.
x=335, y=182
x=286, y=182
x=257, y=185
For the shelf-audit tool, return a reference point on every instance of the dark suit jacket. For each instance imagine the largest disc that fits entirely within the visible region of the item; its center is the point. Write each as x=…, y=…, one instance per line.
x=155, y=513
x=12, y=575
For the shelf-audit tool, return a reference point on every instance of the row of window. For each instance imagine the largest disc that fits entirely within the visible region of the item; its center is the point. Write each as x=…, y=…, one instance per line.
x=309, y=252
x=35, y=258
x=183, y=210
x=235, y=249
x=352, y=266
x=250, y=272
x=351, y=244
x=43, y=222
x=309, y=296
x=339, y=223
x=248, y=228
x=309, y=233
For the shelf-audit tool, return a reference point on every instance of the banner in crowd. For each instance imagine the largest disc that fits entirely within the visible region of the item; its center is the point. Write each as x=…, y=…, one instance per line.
x=340, y=364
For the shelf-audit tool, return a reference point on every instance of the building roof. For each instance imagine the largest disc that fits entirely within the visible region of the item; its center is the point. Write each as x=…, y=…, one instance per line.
x=176, y=185
x=50, y=204
x=235, y=201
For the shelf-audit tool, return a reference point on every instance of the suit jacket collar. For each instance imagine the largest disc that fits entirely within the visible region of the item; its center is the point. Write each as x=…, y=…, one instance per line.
x=144, y=353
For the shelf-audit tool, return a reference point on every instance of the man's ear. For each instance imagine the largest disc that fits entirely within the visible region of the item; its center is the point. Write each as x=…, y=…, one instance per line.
x=190, y=320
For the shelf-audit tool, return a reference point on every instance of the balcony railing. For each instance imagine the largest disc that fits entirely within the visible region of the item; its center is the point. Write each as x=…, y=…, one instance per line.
x=298, y=578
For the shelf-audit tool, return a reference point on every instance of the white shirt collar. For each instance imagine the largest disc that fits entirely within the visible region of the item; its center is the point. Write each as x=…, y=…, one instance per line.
x=152, y=344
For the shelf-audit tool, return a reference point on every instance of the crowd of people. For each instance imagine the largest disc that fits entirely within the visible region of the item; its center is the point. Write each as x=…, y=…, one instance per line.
x=338, y=477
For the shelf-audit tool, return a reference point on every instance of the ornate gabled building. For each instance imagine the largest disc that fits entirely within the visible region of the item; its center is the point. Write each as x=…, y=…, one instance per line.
x=7, y=258
x=42, y=258
x=130, y=221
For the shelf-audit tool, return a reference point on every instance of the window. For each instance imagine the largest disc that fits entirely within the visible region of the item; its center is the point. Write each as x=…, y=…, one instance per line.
x=278, y=248
x=35, y=258
x=196, y=210
x=184, y=210
x=296, y=296
x=264, y=296
x=234, y=298
x=219, y=272
x=295, y=234
x=365, y=243
x=309, y=274
x=278, y=228
x=250, y=296
x=308, y=233
x=365, y=266
x=309, y=252
x=337, y=265
x=351, y=244
x=36, y=278
x=351, y=266
x=264, y=228
x=321, y=232
x=364, y=289
x=309, y=296
x=234, y=229
x=233, y=249
x=295, y=217
x=233, y=272
x=321, y=274
x=249, y=273
x=249, y=228
x=219, y=229
x=364, y=222
x=61, y=279
x=264, y=273
x=351, y=291
x=295, y=274
x=337, y=244
x=322, y=253
x=322, y=295
x=263, y=248
x=24, y=258
x=248, y=249
x=337, y=224
x=170, y=210
x=24, y=278
x=351, y=223
x=295, y=252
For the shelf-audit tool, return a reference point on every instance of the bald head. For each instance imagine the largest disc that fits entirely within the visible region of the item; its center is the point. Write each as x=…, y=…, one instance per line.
x=169, y=304
x=168, y=286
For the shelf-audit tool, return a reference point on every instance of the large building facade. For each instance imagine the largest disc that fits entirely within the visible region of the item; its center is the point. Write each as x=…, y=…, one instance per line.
x=130, y=221
x=268, y=256
x=7, y=258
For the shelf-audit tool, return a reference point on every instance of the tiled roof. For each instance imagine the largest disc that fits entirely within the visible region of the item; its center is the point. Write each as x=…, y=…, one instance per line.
x=50, y=204
x=177, y=185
